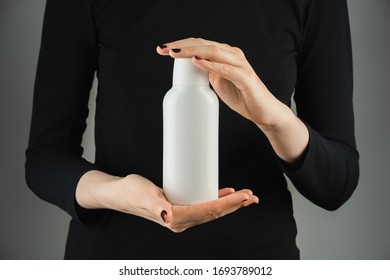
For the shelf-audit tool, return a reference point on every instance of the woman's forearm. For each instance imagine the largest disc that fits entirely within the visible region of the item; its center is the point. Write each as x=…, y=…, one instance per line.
x=287, y=134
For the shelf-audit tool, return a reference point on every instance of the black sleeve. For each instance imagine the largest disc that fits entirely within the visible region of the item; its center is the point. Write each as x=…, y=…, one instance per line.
x=66, y=66
x=329, y=172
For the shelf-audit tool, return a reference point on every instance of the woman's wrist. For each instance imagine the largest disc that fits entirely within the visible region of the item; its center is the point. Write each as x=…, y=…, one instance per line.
x=287, y=134
x=278, y=117
x=95, y=190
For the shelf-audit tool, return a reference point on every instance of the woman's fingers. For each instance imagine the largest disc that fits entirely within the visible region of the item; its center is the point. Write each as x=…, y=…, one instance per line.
x=225, y=191
x=212, y=53
x=188, y=216
x=204, y=49
x=228, y=71
x=164, y=48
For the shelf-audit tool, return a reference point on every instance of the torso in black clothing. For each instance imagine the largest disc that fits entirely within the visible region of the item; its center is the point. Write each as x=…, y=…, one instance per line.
x=295, y=46
x=132, y=82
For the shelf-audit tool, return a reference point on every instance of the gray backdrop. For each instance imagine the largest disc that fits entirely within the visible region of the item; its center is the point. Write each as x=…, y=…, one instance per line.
x=33, y=229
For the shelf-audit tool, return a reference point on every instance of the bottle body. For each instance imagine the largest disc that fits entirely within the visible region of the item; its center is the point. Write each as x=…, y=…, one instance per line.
x=190, y=156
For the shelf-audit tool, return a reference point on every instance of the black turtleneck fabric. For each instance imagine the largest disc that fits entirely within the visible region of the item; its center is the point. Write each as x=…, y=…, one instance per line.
x=295, y=46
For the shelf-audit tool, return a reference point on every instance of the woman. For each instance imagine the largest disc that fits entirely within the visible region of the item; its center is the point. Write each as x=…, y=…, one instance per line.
x=118, y=209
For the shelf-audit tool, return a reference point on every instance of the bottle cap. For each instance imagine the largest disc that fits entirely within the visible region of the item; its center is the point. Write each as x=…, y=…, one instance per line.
x=185, y=73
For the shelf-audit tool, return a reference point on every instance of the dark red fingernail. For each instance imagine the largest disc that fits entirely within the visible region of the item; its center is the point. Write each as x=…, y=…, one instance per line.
x=164, y=215
x=198, y=58
x=176, y=50
x=163, y=46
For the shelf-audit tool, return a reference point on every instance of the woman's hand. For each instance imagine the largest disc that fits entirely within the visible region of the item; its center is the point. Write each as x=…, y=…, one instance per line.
x=231, y=76
x=229, y=201
x=138, y=196
x=239, y=87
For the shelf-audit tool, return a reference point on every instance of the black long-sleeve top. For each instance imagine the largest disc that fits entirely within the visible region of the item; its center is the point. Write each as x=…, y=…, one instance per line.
x=295, y=46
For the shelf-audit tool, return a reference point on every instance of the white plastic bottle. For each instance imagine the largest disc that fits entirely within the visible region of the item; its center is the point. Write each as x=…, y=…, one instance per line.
x=190, y=109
